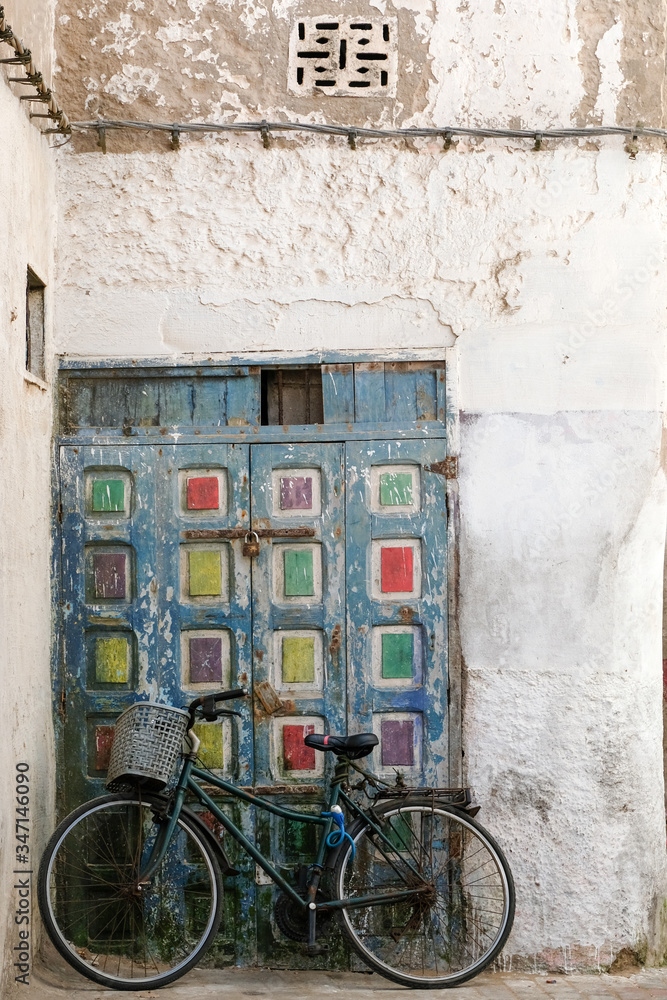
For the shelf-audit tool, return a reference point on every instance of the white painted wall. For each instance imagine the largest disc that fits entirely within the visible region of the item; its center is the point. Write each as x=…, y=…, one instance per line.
x=27, y=234
x=546, y=274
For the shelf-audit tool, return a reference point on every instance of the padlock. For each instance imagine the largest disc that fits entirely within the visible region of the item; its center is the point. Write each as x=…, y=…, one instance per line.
x=251, y=544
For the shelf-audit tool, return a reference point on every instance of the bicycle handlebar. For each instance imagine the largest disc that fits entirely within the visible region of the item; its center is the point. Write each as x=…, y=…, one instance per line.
x=207, y=703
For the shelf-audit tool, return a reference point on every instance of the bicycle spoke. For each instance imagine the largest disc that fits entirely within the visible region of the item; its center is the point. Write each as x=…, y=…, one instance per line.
x=457, y=921
x=110, y=926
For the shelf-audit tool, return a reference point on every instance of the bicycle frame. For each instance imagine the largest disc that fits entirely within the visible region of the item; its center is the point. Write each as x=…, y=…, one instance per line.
x=188, y=781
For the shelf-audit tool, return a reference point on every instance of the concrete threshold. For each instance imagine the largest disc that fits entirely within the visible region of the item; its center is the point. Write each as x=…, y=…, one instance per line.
x=52, y=979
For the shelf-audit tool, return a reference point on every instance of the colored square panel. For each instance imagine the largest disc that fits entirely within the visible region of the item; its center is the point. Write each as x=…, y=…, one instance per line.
x=103, y=741
x=398, y=744
x=296, y=493
x=298, y=665
x=396, y=569
x=299, y=572
x=211, y=748
x=397, y=654
x=203, y=493
x=205, y=573
x=109, y=575
x=111, y=660
x=206, y=660
x=108, y=495
x=396, y=489
x=296, y=755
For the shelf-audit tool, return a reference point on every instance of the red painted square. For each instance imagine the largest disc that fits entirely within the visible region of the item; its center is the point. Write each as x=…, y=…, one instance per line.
x=297, y=756
x=103, y=742
x=203, y=493
x=396, y=570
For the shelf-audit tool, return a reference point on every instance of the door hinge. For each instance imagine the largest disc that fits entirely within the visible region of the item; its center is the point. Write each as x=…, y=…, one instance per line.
x=449, y=467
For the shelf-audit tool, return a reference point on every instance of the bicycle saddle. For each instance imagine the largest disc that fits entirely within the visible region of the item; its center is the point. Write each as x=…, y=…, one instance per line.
x=353, y=747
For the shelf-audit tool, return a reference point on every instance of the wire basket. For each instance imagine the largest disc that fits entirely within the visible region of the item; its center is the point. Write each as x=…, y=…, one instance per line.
x=147, y=742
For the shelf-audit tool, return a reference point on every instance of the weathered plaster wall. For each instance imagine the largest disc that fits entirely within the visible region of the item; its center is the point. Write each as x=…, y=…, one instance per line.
x=541, y=274
x=557, y=326
x=581, y=61
x=27, y=233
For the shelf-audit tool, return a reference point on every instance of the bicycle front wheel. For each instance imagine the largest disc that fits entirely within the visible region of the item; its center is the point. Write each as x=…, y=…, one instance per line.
x=109, y=922
x=456, y=903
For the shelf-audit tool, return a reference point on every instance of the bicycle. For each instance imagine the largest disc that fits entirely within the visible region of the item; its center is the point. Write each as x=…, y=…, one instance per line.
x=130, y=884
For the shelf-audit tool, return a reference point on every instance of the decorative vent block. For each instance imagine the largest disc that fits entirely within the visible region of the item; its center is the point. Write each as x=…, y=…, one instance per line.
x=344, y=57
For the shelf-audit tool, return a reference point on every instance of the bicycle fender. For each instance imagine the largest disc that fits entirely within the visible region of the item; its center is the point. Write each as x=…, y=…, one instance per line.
x=207, y=834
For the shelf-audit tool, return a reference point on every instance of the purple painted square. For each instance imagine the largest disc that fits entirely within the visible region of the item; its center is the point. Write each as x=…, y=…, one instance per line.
x=206, y=660
x=398, y=747
x=296, y=493
x=109, y=575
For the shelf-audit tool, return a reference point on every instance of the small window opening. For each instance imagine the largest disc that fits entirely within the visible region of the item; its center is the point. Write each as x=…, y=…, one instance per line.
x=34, y=326
x=292, y=396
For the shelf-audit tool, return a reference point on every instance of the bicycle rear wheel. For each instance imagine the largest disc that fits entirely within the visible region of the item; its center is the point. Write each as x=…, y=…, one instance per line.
x=114, y=927
x=459, y=913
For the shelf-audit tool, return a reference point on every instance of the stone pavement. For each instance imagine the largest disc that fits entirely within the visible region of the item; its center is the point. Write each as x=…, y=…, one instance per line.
x=58, y=982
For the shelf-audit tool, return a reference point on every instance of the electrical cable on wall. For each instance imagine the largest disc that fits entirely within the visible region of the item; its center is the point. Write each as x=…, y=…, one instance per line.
x=34, y=79
x=54, y=113
x=353, y=133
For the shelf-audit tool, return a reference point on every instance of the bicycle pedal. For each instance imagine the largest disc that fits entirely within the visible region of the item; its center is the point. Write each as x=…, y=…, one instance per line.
x=315, y=949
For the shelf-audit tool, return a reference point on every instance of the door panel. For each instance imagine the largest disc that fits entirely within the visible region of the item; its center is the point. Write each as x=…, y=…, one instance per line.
x=298, y=648
x=205, y=625
x=110, y=612
x=397, y=606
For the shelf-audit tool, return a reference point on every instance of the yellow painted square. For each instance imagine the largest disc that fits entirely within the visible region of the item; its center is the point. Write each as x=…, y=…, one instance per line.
x=205, y=579
x=298, y=659
x=211, y=751
x=111, y=660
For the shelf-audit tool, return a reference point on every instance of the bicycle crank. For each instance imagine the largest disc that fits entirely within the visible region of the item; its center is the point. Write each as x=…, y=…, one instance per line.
x=292, y=919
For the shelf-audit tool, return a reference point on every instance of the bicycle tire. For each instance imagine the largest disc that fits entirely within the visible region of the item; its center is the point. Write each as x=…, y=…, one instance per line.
x=106, y=925
x=462, y=911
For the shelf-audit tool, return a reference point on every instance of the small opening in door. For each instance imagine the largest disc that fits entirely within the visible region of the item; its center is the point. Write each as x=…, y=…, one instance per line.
x=292, y=395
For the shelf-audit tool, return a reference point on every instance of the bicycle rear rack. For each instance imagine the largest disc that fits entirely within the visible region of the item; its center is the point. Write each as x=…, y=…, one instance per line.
x=461, y=797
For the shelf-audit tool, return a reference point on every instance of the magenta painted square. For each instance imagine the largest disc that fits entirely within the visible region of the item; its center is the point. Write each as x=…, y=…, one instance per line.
x=206, y=660
x=109, y=575
x=398, y=745
x=296, y=493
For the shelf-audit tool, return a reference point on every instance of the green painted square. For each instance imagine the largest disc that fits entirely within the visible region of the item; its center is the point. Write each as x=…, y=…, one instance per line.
x=204, y=573
x=396, y=489
x=298, y=659
x=108, y=494
x=299, y=573
x=211, y=751
x=398, y=831
x=111, y=660
x=397, y=654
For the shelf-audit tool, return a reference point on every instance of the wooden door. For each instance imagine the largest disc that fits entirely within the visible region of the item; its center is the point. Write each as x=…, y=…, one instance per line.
x=338, y=625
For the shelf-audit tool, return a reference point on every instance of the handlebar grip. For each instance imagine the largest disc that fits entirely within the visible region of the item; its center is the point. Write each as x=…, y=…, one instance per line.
x=230, y=695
